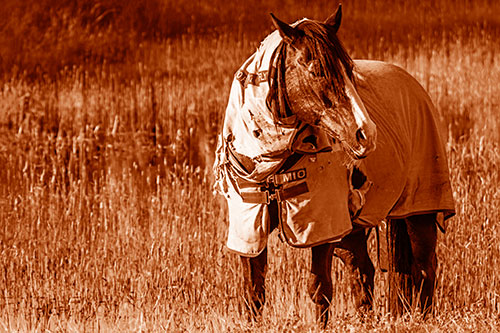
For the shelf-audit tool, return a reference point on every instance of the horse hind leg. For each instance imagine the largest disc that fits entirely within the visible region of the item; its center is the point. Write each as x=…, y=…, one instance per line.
x=320, y=283
x=400, y=258
x=254, y=276
x=353, y=252
x=412, y=247
x=422, y=231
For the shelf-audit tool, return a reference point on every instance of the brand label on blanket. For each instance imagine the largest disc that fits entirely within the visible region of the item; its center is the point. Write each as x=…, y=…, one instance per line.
x=287, y=177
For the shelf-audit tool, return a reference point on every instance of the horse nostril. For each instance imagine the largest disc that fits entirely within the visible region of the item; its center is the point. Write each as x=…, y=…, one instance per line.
x=360, y=135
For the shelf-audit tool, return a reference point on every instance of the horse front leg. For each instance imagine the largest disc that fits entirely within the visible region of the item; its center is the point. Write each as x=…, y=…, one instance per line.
x=320, y=284
x=254, y=276
x=353, y=252
x=255, y=270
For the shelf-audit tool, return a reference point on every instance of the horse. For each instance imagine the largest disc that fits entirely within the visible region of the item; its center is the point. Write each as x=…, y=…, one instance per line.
x=288, y=120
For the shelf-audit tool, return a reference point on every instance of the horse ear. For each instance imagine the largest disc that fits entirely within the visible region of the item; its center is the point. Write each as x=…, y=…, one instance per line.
x=334, y=20
x=287, y=32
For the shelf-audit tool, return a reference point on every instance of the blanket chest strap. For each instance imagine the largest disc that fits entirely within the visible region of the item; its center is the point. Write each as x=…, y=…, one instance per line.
x=264, y=196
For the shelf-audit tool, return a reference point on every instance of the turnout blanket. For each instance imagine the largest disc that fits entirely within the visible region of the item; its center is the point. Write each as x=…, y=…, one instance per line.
x=408, y=168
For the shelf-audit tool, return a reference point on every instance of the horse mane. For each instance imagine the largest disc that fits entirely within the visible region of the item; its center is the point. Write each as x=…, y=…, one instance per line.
x=320, y=37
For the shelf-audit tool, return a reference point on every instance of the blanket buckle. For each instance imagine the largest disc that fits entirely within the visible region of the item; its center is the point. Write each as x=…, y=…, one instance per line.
x=268, y=197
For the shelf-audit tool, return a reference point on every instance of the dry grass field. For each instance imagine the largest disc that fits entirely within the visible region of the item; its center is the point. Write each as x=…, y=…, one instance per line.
x=108, y=116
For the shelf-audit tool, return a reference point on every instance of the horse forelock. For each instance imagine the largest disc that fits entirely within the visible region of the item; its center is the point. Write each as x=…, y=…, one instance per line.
x=318, y=38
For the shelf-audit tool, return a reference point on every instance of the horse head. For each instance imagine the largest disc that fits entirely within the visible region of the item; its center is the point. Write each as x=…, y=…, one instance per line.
x=318, y=78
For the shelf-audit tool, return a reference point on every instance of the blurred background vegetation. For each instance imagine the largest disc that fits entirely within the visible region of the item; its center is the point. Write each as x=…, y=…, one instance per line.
x=46, y=35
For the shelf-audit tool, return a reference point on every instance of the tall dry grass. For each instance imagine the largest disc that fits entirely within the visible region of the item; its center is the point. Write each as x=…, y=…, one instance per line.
x=107, y=217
